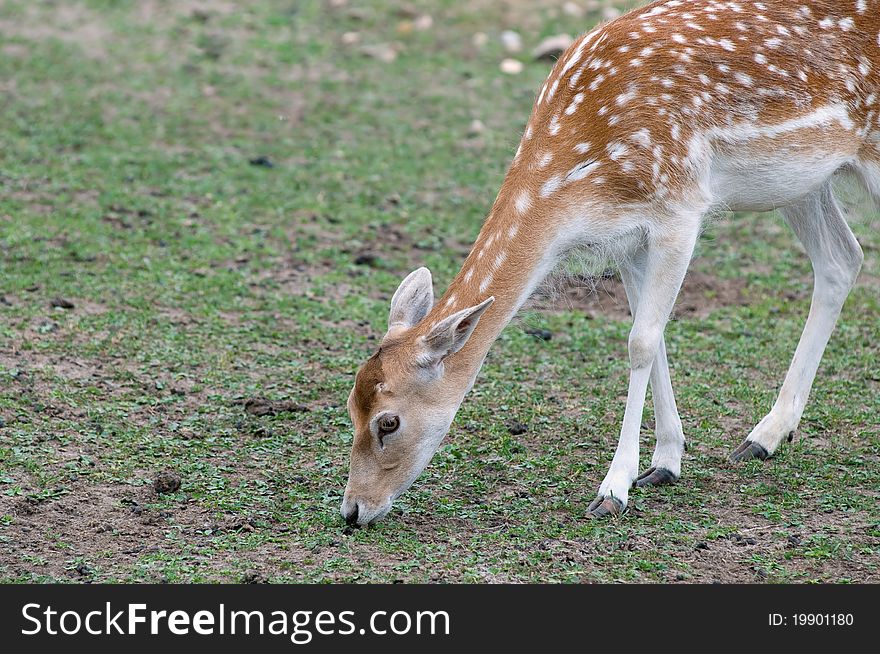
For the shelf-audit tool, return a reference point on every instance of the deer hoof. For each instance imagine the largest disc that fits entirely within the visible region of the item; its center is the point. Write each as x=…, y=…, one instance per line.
x=602, y=507
x=749, y=450
x=655, y=477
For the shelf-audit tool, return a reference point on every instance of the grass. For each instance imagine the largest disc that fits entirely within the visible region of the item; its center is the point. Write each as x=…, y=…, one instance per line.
x=199, y=279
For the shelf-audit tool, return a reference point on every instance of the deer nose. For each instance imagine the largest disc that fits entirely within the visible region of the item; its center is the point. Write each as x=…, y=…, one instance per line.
x=352, y=517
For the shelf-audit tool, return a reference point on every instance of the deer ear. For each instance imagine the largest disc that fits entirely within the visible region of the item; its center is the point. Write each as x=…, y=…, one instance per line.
x=450, y=334
x=412, y=300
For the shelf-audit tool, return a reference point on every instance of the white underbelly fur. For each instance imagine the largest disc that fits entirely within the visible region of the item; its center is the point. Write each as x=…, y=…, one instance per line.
x=768, y=182
x=763, y=168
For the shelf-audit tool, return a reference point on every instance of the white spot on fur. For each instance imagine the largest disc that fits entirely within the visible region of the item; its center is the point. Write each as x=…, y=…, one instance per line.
x=550, y=186
x=583, y=148
x=581, y=170
x=596, y=82
x=617, y=150
x=553, y=90
x=523, y=202
x=623, y=98
x=574, y=104
x=485, y=283
x=743, y=78
x=642, y=137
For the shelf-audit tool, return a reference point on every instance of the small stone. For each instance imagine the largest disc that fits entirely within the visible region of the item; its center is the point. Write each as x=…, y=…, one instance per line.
x=367, y=259
x=423, y=23
x=84, y=569
x=511, y=67
x=253, y=578
x=610, y=13
x=382, y=52
x=405, y=27
x=515, y=427
x=480, y=39
x=166, y=482
x=351, y=38
x=261, y=162
x=573, y=10
x=540, y=334
x=61, y=303
x=701, y=546
x=511, y=41
x=476, y=127
x=552, y=47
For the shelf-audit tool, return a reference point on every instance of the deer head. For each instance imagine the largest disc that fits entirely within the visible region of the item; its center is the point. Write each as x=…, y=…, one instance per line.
x=405, y=398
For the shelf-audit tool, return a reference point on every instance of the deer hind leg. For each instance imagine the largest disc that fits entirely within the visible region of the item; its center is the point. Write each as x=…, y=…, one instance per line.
x=666, y=462
x=819, y=223
x=667, y=258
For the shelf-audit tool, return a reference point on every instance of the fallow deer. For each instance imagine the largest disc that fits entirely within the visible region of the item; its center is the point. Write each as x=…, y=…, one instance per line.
x=645, y=126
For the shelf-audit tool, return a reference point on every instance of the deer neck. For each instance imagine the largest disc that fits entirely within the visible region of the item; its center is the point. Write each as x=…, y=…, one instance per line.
x=509, y=259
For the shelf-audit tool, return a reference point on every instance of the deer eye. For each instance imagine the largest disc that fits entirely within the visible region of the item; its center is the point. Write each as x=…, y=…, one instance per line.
x=388, y=425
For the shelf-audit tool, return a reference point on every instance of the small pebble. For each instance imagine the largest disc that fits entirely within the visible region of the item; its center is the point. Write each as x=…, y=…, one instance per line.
x=511, y=41
x=540, y=334
x=261, y=162
x=423, y=23
x=167, y=481
x=515, y=427
x=476, y=127
x=573, y=10
x=382, y=52
x=62, y=303
x=610, y=13
x=511, y=67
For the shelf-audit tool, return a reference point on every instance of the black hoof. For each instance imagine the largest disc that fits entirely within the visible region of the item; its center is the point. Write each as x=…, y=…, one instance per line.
x=603, y=507
x=749, y=450
x=655, y=477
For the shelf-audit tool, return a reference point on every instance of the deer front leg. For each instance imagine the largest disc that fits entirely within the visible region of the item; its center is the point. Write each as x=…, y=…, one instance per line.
x=667, y=257
x=666, y=462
